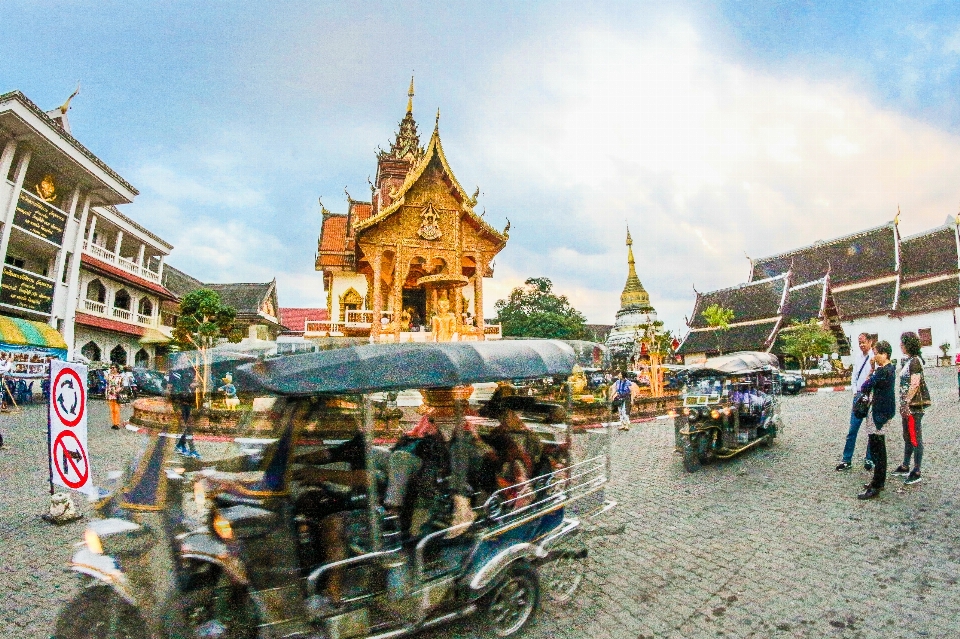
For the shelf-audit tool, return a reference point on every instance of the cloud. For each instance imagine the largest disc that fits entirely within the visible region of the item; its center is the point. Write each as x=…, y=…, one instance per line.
x=706, y=159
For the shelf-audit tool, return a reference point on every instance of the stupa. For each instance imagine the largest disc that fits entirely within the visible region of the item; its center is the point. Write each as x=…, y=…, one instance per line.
x=635, y=309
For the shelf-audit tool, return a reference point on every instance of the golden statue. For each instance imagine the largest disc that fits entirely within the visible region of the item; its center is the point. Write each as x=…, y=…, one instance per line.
x=444, y=322
x=405, y=316
x=47, y=190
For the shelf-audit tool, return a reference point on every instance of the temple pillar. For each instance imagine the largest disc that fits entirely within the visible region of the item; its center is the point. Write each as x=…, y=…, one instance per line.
x=399, y=275
x=478, y=300
x=377, y=298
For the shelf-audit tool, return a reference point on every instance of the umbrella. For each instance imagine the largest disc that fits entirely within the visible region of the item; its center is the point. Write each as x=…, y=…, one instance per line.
x=386, y=367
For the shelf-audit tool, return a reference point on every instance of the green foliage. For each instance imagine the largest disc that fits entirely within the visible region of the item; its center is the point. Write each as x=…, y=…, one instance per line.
x=203, y=320
x=533, y=310
x=718, y=317
x=945, y=349
x=657, y=339
x=804, y=340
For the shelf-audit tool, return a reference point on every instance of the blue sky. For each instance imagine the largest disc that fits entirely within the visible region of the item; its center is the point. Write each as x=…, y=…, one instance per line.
x=715, y=129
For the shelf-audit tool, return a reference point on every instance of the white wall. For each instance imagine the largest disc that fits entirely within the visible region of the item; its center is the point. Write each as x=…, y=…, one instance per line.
x=342, y=282
x=942, y=324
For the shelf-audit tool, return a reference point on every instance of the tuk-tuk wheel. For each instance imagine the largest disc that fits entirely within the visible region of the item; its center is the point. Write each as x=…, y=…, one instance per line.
x=691, y=453
x=512, y=602
x=562, y=573
x=96, y=613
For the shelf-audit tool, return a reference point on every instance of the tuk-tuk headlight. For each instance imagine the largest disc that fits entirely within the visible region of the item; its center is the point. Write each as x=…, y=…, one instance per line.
x=715, y=414
x=92, y=539
x=693, y=415
x=221, y=526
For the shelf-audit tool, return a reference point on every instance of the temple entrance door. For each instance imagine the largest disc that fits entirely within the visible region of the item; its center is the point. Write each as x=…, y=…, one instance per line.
x=416, y=299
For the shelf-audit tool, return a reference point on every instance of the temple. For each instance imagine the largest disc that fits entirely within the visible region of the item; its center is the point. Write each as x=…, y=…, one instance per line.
x=635, y=309
x=409, y=264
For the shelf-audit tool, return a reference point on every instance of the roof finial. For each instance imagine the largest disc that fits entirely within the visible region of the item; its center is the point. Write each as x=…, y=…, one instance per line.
x=629, y=239
x=410, y=97
x=437, y=123
x=63, y=108
x=896, y=218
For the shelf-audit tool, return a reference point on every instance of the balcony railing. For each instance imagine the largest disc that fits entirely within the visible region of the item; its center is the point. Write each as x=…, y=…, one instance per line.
x=94, y=307
x=123, y=263
x=322, y=328
x=99, y=308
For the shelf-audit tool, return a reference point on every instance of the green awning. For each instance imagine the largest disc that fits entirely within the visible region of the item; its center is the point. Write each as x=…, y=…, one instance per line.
x=153, y=336
x=21, y=332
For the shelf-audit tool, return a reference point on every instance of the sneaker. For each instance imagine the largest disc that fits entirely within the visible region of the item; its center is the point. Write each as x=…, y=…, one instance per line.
x=868, y=465
x=193, y=454
x=901, y=470
x=869, y=493
x=115, y=427
x=181, y=450
x=913, y=478
x=844, y=466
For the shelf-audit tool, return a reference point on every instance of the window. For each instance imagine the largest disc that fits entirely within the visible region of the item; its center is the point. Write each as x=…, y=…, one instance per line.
x=66, y=267
x=122, y=300
x=118, y=355
x=141, y=359
x=926, y=336
x=15, y=261
x=91, y=351
x=96, y=292
x=146, y=307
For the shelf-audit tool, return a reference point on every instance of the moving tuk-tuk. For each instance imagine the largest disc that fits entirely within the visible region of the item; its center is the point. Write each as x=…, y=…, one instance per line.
x=730, y=405
x=327, y=517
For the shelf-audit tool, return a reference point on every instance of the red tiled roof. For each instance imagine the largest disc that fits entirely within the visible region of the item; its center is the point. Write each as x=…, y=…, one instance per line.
x=109, y=324
x=114, y=271
x=359, y=211
x=333, y=234
x=296, y=319
x=333, y=260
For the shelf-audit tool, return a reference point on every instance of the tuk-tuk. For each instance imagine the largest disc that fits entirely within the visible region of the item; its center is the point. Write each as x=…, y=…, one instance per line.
x=312, y=523
x=730, y=405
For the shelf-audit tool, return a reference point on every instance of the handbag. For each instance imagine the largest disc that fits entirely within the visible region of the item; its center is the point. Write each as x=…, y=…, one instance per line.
x=861, y=404
x=616, y=404
x=921, y=399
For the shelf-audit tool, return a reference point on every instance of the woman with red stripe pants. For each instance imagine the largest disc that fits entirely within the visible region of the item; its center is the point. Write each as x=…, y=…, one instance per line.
x=914, y=397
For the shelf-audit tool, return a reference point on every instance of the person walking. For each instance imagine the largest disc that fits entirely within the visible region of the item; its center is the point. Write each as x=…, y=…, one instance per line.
x=622, y=397
x=957, y=362
x=114, y=390
x=862, y=368
x=182, y=386
x=884, y=407
x=914, y=398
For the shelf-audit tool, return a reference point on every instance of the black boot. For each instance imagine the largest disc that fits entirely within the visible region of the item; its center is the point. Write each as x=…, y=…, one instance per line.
x=877, y=443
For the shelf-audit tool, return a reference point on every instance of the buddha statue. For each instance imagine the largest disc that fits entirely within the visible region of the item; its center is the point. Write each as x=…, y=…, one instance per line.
x=444, y=322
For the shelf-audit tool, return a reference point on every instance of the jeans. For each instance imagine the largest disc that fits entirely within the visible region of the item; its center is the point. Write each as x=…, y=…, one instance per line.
x=912, y=441
x=625, y=413
x=186, y=438
x=851, y=443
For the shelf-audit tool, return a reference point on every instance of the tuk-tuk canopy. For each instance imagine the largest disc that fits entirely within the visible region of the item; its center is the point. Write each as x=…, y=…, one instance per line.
x=739, y=363
x=387, y=367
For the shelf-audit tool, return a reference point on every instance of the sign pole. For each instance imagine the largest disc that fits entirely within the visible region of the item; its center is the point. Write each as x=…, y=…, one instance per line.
x=49, y=441
x=67, y=458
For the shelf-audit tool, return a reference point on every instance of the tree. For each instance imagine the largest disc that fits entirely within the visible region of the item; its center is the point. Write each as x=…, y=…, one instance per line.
x=203, y=321
x=658, y=344
x=718, y=317
x=804, y=340
x=533, y=310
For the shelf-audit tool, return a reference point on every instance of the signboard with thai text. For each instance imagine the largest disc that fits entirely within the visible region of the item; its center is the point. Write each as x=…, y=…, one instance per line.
x=26, y=290
x=40, y=218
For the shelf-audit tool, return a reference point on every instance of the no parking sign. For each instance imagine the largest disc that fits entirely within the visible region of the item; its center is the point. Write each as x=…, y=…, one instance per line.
x=67, y=423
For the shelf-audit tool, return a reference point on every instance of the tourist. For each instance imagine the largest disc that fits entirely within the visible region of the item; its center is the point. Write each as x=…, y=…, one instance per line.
x=884, y=406
x=5, y=367
x=621, y=398
x=914, y=398
x=114, y=390
x=957, y=362
x=862, y=368
x=182, y=386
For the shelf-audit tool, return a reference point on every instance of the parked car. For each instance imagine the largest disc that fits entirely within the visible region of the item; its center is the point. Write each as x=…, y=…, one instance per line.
x=791, y=382
x=149, y=382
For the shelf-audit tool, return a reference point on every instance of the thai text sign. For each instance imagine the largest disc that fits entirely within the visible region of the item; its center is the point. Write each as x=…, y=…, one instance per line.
x=25, y=290
x=38, y=217
x=67, y=419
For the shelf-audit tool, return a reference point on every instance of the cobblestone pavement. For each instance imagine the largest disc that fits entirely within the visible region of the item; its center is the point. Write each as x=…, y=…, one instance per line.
x=773, y=544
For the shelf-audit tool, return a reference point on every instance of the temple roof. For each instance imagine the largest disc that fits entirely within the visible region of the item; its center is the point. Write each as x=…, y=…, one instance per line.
x=805, y=302
x=877, y=299
x=933, y=296
x=406, y=146
x=859, y=257
x=634, y=296
x=745, y=337
x=749, y=302
x=930, y=253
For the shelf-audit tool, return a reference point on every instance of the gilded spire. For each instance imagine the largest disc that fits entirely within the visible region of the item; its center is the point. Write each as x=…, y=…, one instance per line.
x=634, y=296
x=410, y=98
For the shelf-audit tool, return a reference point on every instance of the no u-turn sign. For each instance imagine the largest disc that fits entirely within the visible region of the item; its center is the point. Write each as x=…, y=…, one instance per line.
x=67, y=419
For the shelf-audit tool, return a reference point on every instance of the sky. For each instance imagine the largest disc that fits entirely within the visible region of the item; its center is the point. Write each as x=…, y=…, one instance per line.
x=716, y=130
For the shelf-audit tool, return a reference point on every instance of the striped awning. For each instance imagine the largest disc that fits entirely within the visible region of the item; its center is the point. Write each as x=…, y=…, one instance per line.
x=21, y=332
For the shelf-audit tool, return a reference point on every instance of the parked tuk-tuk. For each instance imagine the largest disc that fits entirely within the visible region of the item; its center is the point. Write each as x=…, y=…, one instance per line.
x=730, y=405
x=310, y=523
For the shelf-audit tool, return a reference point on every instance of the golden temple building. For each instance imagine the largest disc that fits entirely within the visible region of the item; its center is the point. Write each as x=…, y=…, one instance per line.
x=409, y=264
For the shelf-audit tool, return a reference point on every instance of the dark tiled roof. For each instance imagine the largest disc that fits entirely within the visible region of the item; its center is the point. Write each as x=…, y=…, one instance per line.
x=804, y=303
x=869, y=300
x=178, y=282
x=752, y=301
x=930, y=253
x=752, y=337
x=245, y=298
x=853, y=258
x=929, y=297
x=37, y=111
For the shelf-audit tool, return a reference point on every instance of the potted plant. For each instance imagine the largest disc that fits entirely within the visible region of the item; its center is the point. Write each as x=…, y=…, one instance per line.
x=945, y=360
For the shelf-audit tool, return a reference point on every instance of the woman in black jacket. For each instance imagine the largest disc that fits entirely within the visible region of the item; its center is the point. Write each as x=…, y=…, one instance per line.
x=882, y=384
